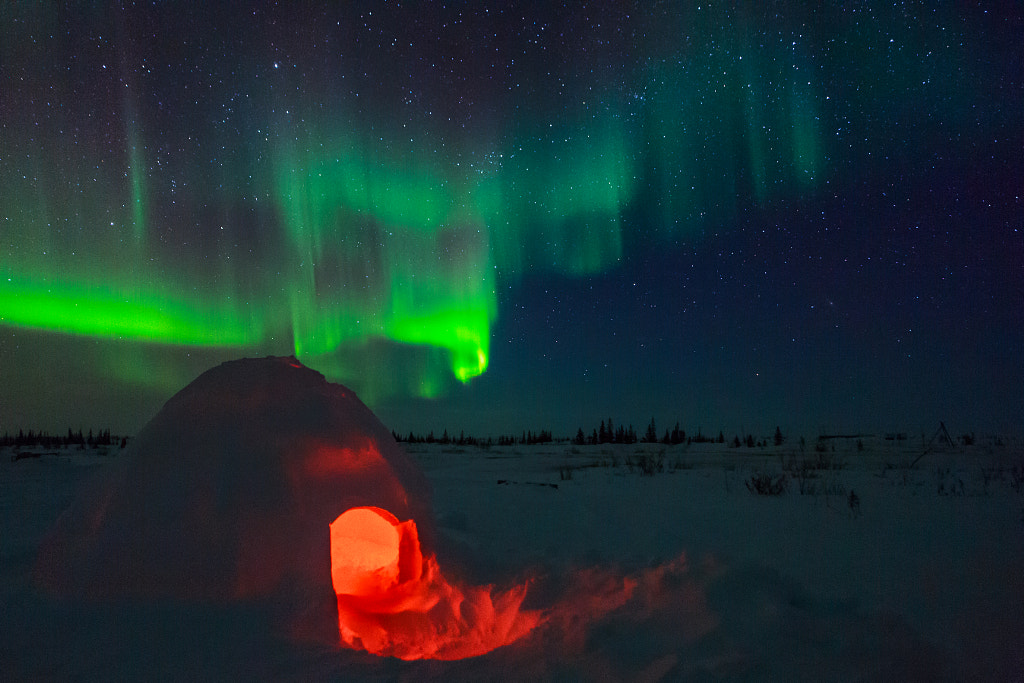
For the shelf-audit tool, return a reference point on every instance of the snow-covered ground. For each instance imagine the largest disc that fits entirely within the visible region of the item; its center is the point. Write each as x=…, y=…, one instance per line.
x=651, y=562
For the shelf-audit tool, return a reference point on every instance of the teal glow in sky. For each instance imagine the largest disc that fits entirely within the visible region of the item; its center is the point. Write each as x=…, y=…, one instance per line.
x=501, y=215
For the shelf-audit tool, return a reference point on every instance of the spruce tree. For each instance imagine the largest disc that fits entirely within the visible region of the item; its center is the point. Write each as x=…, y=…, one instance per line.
x=652, y=433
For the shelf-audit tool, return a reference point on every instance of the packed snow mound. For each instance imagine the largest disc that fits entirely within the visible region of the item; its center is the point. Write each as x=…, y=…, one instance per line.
x=228, y=493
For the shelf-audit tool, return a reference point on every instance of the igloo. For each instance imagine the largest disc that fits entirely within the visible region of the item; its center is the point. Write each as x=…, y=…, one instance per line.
x=261, y=481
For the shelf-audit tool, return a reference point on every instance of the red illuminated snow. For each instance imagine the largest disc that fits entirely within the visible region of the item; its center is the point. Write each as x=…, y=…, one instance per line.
x=262, y=480
x=393, y=600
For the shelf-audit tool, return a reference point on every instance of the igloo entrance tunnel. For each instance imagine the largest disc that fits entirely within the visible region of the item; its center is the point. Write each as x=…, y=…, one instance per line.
x=261, y=481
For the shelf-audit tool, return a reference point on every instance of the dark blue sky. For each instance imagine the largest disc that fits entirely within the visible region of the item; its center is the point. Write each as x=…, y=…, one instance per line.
x=505, y=216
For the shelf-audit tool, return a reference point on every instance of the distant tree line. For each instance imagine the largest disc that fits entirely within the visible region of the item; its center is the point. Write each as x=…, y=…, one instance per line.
x=527, y=437
x=607, y=432
x=45, y=440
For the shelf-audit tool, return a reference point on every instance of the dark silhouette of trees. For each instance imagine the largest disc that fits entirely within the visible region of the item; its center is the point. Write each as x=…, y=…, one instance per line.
x=44, y=439
x=605, y=433
x=652, y=433
x=678, y=435
x=699, y=437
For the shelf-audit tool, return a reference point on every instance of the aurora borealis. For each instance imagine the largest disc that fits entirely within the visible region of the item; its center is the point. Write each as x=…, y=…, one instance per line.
x=495, y=216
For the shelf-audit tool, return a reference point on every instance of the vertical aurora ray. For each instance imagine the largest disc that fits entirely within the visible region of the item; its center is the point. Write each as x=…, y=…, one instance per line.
x=758, y=143
x=382, y=251
x=729, y=120
x=134, y=140
x=442, y=295
x=557, y=202
x=807, y=153
x=137, y=179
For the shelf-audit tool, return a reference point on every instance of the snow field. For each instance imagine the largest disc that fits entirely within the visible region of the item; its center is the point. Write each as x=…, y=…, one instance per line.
x=681, y=575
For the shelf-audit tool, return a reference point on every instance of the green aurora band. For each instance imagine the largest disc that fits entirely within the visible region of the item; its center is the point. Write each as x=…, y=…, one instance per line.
x=135, y=312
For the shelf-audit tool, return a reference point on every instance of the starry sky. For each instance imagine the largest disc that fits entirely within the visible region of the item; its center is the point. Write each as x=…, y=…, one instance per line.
x=496, y=216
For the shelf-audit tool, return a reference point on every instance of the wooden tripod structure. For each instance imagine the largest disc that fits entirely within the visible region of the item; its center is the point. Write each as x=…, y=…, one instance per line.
x=942, y=436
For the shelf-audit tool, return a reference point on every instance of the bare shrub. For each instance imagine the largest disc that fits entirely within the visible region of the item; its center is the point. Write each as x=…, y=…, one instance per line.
x=853, y=500
x=766, y=484
x=988, y=475
x=650, y=464
x=680, y=464
x=1017, y=479
x=947, y=483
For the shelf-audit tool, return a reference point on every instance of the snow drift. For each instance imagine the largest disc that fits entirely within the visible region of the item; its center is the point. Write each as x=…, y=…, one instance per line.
x=261, y=481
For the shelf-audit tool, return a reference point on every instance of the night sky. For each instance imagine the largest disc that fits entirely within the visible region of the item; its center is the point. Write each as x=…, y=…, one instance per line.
x=496, y=216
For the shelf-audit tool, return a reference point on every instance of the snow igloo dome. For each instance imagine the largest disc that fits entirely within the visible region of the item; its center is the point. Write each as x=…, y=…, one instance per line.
x=227, y=494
